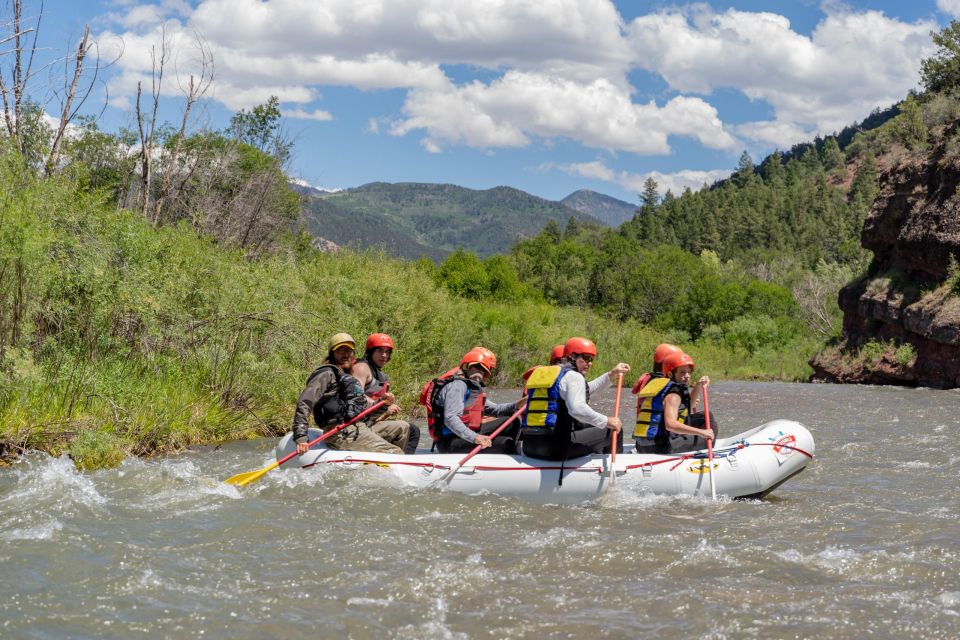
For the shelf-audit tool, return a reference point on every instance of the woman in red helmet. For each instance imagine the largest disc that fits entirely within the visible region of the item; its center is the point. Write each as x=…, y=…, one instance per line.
x=458, y=412
x=677, y=429
x=368, y=370
x=572, y=427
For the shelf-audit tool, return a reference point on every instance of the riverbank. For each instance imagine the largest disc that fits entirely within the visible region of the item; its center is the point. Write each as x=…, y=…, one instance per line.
x=120, y=338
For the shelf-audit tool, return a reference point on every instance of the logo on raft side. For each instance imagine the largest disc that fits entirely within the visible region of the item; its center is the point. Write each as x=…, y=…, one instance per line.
x=702, y=468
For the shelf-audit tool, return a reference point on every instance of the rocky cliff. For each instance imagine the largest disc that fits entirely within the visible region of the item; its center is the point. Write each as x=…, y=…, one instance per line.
x=902, y=320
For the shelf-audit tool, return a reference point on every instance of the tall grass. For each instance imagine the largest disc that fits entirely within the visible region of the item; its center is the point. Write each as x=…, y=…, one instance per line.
x=119, y=338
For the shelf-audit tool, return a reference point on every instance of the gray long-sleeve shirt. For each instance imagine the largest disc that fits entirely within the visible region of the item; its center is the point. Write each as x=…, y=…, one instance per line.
x=451, y=398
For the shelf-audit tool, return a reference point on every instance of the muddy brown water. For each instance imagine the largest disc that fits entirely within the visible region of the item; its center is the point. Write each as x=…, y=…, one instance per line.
x=864, y=543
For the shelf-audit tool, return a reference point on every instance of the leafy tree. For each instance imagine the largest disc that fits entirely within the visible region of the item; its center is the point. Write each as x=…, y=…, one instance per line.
x=942, y=71
x=260, y=128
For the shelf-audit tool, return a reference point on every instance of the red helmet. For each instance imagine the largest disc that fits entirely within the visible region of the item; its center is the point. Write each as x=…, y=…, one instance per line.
x=377, y=340
x=662, y=351
x=556, y=354
x=579, y=346
x=489, y=355
x=675, y=360
x=481, y=356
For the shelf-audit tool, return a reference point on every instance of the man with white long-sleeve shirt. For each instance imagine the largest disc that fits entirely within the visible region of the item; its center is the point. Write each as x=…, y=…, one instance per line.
x=559, y=422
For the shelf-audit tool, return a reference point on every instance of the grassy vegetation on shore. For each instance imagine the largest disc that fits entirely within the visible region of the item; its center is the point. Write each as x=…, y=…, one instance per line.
x=118, y=337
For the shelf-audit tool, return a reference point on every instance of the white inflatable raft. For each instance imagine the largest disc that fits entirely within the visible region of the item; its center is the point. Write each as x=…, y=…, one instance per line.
x=748, y=465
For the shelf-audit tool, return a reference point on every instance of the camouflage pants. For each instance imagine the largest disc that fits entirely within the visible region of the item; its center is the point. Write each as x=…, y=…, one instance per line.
x=386, y=436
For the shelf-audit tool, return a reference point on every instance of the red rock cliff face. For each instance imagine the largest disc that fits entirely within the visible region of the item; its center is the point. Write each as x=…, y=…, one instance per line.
x=902, y=321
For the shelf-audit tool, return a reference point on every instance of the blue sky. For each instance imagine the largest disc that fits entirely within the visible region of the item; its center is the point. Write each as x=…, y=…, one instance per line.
x=548, y=96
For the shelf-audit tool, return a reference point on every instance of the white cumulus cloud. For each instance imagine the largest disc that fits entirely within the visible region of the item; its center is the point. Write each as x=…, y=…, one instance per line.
x=852, y=63
x=950, y=7
x=505, y=112
x=674, y=182
x=511, y=73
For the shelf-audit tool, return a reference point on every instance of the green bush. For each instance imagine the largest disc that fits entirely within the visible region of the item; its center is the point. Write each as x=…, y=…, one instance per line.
x=96, y=450
x=905, y=354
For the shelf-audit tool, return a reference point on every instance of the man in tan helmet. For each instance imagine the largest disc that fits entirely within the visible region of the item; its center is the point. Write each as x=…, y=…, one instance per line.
x=334, y=396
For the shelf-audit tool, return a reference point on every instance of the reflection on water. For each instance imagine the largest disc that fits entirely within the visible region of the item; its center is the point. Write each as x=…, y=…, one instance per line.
x=862, y=544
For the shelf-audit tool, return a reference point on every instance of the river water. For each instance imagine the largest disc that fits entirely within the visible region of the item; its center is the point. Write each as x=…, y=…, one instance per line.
x=864, y=543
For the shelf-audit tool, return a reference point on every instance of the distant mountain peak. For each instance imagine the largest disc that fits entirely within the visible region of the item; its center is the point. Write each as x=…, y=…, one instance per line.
x=610, y=210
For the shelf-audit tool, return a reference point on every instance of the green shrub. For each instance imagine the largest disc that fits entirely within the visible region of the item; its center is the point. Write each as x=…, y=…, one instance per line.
x=905, y=354
x=96, y=450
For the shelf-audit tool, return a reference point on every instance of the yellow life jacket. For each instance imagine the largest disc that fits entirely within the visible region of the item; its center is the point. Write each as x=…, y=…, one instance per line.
x=650, y=408
x=543, y=397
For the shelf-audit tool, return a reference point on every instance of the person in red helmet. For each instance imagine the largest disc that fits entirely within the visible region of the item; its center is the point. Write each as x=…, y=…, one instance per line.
x=556, y=355
x=458, y=412
x=669, y=425
x=333, y=396
x=558, y=422
x=368, y=370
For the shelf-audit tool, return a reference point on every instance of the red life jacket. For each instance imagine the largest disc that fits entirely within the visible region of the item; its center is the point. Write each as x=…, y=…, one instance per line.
x=472, y=415
x=641, y=383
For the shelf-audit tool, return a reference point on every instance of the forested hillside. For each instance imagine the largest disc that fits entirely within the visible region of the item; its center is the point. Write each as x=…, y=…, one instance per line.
x=414, y=219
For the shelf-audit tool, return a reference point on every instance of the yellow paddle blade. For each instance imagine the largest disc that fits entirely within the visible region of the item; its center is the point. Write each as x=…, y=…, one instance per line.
x=243, y=479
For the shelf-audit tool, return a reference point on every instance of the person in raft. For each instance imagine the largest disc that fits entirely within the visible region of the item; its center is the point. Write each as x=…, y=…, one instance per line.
x=556, y=355
x=459, y=415
x=659, y=355
x=665, y=423
x=334, y=396
x=558, y=422
x=368, y=371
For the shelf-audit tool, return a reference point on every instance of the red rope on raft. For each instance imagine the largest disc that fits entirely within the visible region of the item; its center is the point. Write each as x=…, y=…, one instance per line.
x=688, y=456
x=678, y=459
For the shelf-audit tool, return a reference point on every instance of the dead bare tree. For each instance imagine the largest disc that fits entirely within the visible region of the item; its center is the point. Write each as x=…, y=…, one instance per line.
x=68, y=112
x=147, y=123
x=197, y=87
x=24, y=101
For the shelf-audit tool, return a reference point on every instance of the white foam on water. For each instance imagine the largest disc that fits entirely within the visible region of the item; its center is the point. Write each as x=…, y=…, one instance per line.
x=373, y=602
x=43, y=531
x=949, y=598
x=943, y=513
x=43, y=478
x=631, y=495
x=831, y=559
x=557, y=537
x=435, y=627
x=437, y=515
x=914, y=464
x=315, y=476
x=146, y=580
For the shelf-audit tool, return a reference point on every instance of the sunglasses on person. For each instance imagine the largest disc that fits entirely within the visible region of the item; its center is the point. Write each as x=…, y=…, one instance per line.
x=587, y=359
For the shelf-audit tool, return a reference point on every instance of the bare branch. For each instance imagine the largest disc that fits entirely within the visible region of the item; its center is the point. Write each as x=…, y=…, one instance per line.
x=65, y=114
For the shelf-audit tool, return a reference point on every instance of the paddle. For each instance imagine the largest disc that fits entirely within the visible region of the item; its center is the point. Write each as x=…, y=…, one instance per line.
x=706, y=412
x=243, y=479
x=613, y=437
x=506, y=423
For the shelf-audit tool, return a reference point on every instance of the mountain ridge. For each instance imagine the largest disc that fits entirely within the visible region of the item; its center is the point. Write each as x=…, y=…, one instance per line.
x=414, y=219
x=611, y=211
